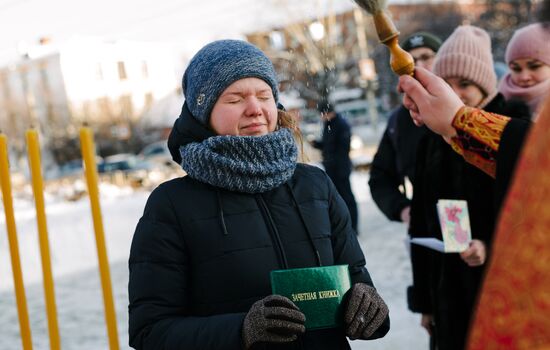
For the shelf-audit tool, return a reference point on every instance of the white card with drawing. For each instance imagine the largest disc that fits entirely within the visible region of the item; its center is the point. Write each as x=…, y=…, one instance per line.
x=455, y=224
x=455, y=228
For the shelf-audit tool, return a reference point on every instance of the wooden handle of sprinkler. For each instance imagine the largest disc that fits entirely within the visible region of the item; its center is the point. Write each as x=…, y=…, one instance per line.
x=401, y=61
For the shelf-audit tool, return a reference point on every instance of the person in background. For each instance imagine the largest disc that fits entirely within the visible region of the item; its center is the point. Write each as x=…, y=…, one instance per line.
x=335, y=147
x=202, y=252
x=445, y=286
x=528, y=58
x=396, y=155
x=512, y=310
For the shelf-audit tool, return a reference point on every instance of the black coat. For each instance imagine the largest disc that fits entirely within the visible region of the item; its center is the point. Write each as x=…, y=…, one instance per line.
x=394, y=160
x=201, y=256
x=443, y=284
x=335, y=147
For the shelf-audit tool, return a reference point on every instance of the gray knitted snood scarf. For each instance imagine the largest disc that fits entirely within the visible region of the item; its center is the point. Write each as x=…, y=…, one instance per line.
x=251, y=164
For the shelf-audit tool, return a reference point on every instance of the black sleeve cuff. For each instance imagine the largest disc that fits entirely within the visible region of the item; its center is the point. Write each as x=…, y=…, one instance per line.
x=418, y=303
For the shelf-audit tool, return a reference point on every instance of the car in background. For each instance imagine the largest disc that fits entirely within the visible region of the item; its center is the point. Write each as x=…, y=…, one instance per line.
x=156, y=153
x=149, y=168
x=119, y=162
x=124, y=169
x=71, y=168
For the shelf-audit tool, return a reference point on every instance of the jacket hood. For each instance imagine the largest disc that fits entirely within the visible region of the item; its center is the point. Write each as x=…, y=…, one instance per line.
x=186, y=130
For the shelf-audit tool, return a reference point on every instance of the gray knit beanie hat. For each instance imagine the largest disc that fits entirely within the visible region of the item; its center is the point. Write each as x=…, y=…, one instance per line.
x=218, y=65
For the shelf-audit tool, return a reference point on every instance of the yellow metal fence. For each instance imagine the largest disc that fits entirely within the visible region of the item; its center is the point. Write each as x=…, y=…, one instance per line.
x=90, y=167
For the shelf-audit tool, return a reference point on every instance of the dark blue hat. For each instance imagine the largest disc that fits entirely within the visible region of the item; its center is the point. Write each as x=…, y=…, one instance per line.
x=218, y=65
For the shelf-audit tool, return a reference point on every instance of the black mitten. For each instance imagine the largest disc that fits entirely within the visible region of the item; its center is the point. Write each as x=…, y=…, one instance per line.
x=365, y=311
x=274, y=319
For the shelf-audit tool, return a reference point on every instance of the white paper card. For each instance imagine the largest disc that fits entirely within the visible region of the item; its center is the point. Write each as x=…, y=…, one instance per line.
x=432, y=243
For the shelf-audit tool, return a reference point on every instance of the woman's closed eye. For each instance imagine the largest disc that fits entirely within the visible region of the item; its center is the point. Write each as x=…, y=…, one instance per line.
x=232, y=99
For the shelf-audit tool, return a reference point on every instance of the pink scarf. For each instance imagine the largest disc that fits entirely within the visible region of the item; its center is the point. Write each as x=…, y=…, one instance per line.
x=532, y=96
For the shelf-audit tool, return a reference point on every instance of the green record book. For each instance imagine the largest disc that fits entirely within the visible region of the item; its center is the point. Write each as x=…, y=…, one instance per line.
x=317, y=291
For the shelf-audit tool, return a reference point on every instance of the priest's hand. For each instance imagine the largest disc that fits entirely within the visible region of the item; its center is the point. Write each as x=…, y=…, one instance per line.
x=431, y=101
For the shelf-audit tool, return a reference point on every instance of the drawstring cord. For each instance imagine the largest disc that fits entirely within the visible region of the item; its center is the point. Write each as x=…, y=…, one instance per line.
x=276, y=236
x=220, y=205
x=309, y=235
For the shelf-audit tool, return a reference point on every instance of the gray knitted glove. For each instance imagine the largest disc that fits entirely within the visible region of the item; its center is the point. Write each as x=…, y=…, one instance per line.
x=365, y=312
x=274, y=319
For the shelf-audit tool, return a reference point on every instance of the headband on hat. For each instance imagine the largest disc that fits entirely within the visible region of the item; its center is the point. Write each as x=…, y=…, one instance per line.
x=218, y=65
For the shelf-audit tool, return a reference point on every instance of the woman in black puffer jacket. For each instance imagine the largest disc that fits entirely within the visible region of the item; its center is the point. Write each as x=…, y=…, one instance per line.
x=203, y=251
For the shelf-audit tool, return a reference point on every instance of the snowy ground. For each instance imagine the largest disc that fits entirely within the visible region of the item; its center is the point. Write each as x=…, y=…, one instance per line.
x=78, y=290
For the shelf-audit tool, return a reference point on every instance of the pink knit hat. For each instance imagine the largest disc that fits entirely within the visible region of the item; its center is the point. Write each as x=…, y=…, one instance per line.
x=467, y=54
x=532, y=41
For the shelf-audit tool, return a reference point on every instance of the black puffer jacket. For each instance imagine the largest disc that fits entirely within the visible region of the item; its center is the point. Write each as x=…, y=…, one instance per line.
x=201, y=256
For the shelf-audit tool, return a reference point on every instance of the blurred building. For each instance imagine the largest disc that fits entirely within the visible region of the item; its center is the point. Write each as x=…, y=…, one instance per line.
x=315, y=56
x=107, y=85
x=341, y=51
